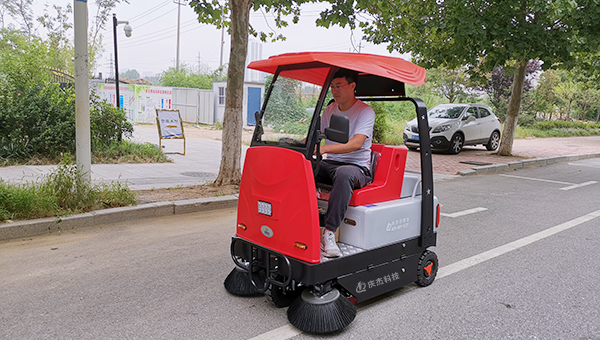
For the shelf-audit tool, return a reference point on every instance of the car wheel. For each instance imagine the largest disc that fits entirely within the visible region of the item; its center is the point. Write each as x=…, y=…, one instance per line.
x=456, y=144
x=494, y=141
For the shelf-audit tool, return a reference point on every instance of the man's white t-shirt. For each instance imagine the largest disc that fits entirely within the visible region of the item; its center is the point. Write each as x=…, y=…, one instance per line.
x=362, y=120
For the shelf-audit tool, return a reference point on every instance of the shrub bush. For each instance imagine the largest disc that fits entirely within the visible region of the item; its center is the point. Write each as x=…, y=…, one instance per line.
x=107, y=124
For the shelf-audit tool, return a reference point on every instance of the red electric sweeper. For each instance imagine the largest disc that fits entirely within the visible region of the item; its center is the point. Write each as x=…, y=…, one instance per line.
x=388, y=227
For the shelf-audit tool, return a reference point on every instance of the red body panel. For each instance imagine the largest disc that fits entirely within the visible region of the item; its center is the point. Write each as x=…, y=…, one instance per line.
x=387, y=184
x=283, y=178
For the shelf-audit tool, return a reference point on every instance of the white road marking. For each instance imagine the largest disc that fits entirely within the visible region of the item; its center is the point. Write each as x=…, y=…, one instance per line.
x=537, y=179
x=490, y=254
x=578, y=185
x=587, y=165
x=281, y=333
x=465, y=212
x=288, y=331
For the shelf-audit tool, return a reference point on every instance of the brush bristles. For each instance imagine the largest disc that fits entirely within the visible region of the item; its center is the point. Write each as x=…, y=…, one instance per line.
x=238, y=283
x=321, y=318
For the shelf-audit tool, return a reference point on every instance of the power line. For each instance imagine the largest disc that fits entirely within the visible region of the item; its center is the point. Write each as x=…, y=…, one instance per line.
x=152, y=20
x=169, y=34
x=155, y=8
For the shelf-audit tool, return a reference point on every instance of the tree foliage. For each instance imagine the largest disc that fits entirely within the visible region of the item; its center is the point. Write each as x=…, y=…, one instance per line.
x=498, y=86
x=55, y=25
x=479, y=34
x=130, y=74
x=37, y=116
x=186, y=77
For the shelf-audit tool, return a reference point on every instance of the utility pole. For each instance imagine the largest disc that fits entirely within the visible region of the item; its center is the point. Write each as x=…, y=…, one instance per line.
x=222, y=43
x=83, y=144
x=179, y=3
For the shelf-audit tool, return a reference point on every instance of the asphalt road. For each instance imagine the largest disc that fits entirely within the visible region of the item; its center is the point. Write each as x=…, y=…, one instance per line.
x=519, y=256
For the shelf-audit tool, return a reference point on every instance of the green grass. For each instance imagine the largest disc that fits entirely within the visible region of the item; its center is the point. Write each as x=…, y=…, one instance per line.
x=392, y=134
x=117, y=152
x=558, y=129
x=61, y=192
x=129, y=152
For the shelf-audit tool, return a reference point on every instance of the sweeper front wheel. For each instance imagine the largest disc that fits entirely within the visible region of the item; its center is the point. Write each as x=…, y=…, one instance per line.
x=282, y=297
x=318, y=313
x=427, y=268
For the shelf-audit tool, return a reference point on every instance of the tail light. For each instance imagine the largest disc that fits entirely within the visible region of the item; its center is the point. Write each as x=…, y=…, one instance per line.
x=437, y=218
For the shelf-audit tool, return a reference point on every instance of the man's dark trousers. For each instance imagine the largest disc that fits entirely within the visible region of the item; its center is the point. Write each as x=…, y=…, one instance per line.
x=345, y=178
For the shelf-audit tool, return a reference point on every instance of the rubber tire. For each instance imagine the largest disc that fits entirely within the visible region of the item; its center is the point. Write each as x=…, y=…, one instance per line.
x=456, y=144
x=426, y=277
x=280, y=297
x=412, y=148
x=494, y=142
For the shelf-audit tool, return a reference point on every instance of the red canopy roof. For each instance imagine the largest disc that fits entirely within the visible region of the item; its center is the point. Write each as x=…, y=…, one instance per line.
x=316, y=72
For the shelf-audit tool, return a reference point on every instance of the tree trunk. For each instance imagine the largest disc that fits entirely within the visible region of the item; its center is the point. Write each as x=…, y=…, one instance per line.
x=512, y=115
x=231, y=151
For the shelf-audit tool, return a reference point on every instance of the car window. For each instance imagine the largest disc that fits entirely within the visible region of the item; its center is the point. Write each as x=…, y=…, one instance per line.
x=472, y=111
x=445, y=111
x=483, y=112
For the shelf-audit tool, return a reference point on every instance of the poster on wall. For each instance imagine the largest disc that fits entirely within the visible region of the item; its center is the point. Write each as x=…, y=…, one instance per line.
x=150, y=98
x=170, y=126
x=108, y=92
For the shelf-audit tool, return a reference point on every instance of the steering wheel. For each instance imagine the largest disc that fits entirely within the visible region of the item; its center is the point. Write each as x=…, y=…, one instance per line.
x=286, y=141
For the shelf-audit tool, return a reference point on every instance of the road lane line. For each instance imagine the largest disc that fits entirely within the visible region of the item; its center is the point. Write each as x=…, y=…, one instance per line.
x=575, y=186
x=281, y=333
x=537, y=179
x=465, y=212
x=490, y=254
x=585, y=165
x=288, y=331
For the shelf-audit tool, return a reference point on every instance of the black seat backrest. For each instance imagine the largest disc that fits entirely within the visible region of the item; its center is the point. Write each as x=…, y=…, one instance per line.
x=374, y=162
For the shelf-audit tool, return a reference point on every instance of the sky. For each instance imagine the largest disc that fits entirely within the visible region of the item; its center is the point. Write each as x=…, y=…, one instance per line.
x=152, y=47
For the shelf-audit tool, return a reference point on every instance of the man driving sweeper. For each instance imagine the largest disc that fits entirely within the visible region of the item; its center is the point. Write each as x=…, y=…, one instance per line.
x=346, y=166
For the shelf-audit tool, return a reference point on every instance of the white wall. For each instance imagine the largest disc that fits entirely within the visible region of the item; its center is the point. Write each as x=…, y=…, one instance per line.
x=141, y=101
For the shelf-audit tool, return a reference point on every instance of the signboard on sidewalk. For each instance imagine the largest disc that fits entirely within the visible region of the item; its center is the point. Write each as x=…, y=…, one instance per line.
x=169, y=126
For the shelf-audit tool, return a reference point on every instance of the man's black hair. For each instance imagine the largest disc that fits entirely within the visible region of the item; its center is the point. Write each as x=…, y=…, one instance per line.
x=351, y=76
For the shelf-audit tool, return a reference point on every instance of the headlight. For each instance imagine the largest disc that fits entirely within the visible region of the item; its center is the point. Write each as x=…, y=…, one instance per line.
x=441, y=128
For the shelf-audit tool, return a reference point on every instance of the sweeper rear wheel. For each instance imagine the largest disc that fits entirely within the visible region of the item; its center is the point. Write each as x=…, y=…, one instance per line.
x=318, y=313
x=427, y=268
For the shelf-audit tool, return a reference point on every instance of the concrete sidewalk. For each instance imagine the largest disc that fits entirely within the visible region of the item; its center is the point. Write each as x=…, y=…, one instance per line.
x=201, y=164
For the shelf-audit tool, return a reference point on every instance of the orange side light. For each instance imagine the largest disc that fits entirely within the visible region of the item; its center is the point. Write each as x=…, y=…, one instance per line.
x=300, y=245
x=437, y=219
x=241, y=226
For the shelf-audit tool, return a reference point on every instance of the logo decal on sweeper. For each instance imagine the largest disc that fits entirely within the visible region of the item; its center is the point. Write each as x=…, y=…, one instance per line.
x=362, y=287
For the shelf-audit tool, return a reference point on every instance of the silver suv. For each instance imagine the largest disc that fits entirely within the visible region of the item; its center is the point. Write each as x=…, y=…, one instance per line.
x=452, y=126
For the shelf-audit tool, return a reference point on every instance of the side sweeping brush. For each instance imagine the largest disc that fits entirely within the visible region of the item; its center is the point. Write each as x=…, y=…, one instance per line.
x=315, y=314
x=238, y=283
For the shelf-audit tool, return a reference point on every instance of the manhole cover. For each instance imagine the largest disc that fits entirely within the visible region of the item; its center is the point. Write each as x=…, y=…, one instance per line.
x=475, y=163
x=198, y=174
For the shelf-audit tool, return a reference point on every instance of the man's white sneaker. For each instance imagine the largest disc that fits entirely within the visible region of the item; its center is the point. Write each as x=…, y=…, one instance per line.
x=328, y=245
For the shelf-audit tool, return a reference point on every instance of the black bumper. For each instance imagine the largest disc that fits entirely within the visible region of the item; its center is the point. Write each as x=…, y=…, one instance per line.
x=437, y=143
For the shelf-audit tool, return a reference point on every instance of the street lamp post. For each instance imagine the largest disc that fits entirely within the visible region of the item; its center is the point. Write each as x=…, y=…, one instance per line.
x=127, y=30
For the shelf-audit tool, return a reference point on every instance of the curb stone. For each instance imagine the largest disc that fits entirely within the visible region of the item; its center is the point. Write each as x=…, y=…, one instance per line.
x=527, y=163
x=27, y=228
